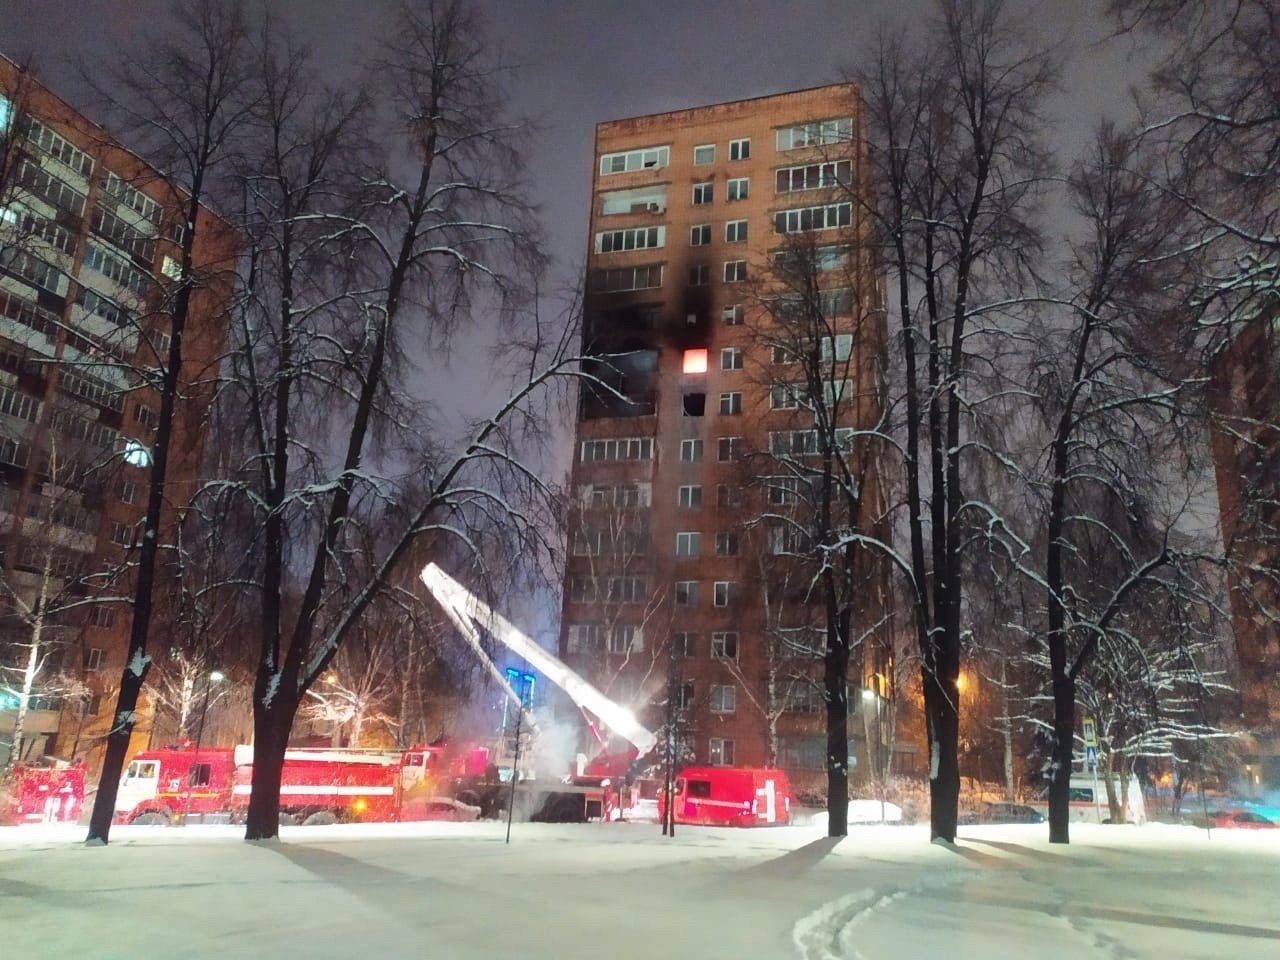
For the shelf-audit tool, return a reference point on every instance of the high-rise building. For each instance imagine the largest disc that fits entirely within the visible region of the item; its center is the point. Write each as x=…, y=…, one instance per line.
x=690, y=594
x=90, y=246
x=1246, y=448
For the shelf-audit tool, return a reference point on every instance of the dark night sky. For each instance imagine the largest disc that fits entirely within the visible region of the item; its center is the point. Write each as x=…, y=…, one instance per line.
x=593, y=60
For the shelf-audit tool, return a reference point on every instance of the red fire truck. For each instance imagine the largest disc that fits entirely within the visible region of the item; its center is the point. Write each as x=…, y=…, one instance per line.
x=316, y=785
x=730, y=797
x=426, y=782
x=44, y=794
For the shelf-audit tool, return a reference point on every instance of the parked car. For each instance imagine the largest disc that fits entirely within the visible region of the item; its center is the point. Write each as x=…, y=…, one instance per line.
x=1241, y=820
x=1002, y=813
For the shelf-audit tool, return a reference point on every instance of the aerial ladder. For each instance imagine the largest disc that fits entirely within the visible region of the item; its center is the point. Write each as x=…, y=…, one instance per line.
x=470, y=615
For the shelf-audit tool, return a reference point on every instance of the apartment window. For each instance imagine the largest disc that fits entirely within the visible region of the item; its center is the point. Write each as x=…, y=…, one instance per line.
x=684, y=644
x=114, y=268
x=145, y=415
x=684, y=696
x=724, y=645
x=15, y=404
x=735, y=271
x=816, y=133
x=728, y=495
x=699, y=275
x=813, y=176
x=733, y=315
x=122, y=534
x=739, y=149
x=703, y=193
x=735, y=231
x=689, y=497
x=619, y=279
x=639, y=238
x=690, y=451
x=102, y=616
x=93, y=659
x=739, y=188
x=585, y=637
x=786, y=539
x=647, y=199
x=704, y=154
x=724, y=593
x=801, y=443
x=785, y=396
x=688, y=543
x=802, y=219
x=171, y=268
x=804, y=698
x=727, y=543
x=731, y=358
x=625, y=638
x=694, y=361
x=694, y=404
x=722, y=698
x=720, y=752
x=645, y=158
x=842, y=344
x=730, y=404
x=783, y=490
x=783, y=354
x=699, y=234
x=131, y=197
x=729, y=448
x=55, y=146
x=686, y=593
x=623, y=448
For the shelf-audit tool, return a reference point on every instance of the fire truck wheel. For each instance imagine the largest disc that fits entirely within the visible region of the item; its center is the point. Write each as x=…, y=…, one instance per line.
x=151, y=819
x=321, y=818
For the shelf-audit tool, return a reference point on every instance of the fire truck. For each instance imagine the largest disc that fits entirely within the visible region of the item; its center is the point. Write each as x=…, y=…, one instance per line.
x=52, y=793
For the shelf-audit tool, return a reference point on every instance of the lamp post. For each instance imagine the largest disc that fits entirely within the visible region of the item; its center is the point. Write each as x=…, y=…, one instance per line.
x=215, y=676
x=877, y=762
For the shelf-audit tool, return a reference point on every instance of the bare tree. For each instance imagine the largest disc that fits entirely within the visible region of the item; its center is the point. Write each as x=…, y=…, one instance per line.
x=376, y=222
x=182, y=103
x=954, y=147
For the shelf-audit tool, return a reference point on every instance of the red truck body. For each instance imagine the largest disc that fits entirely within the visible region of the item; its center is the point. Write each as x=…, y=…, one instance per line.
x=730, y=797
x=427, y=782
x=52, y=794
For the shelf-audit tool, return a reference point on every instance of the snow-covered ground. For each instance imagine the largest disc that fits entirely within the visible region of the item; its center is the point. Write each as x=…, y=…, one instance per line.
x=622, y=891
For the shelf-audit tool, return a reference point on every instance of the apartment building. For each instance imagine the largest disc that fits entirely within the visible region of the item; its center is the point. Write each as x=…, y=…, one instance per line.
x=1246, y=449
x=90, y=241
x=688, y=594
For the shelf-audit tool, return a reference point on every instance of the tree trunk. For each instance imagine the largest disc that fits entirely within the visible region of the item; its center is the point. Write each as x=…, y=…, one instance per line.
x=836, y=687
x=271, y=727
x=24, y=698
x=117, y=752
x=943, y=720
x=1064, y=725
x=1006, y=733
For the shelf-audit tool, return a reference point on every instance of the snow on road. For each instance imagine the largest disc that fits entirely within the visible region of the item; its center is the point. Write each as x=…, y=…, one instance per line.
x=623, y=891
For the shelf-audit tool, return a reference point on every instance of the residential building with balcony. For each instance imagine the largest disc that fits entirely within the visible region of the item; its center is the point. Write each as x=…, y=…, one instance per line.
x=90, y=239
x=686, y=594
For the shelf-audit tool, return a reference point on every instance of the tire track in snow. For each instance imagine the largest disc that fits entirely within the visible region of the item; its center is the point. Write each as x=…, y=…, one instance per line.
x=825, y=933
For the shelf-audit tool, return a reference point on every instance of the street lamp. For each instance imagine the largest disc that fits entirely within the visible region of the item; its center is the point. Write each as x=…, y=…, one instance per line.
x=215, y=676
x=877, y=762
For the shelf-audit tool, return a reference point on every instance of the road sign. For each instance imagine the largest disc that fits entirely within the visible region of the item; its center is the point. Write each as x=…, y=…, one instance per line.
x=1090, y=757
x=1090, y=731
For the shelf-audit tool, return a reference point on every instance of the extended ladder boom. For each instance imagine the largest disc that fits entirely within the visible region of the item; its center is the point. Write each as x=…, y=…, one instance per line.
x=464, y=608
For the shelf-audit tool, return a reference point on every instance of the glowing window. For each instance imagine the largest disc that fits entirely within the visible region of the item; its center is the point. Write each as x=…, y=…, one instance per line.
x=695, y=361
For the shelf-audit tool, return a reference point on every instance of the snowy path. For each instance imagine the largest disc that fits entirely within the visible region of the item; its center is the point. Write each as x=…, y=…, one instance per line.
x=622, y=891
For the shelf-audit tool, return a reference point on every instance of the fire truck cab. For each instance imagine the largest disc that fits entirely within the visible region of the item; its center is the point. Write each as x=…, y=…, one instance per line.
x=159, y=786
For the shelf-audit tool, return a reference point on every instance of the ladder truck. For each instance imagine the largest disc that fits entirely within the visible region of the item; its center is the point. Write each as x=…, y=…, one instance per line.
x=589, y=793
